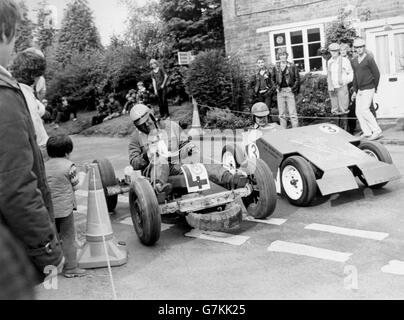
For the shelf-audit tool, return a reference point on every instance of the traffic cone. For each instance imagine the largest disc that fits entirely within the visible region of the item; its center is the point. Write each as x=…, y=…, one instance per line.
x=196, y=129
x=100, y=247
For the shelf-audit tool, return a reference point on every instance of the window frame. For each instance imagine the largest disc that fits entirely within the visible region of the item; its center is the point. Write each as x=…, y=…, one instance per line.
x=305, y=43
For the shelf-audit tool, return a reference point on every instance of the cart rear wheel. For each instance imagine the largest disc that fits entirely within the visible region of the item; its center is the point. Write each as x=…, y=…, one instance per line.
x=145, y=211
x=262, y=202
x=298, y=181
x=108, y=179
x=379, y=152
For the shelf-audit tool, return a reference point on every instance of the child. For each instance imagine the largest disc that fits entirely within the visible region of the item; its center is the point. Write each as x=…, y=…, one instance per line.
x=114, y=107
x=160, y=79
x=130, y=97
x=102, y=113
x=142, y=95
x=63, y=181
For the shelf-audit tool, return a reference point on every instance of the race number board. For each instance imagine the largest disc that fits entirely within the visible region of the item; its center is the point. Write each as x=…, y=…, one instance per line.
x=196, y=177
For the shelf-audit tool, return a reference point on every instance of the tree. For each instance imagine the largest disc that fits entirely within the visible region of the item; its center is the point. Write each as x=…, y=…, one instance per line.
x=25, y=30
x=78, y=33
x=45, y=32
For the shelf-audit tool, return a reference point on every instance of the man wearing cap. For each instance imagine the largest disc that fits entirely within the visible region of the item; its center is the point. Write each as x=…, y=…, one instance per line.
x=157, y=148
x=365, y=84
x=340, y=74
x=287, y=80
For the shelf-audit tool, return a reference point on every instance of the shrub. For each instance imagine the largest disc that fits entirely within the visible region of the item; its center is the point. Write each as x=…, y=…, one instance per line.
x=225, y=119
x=215, y=81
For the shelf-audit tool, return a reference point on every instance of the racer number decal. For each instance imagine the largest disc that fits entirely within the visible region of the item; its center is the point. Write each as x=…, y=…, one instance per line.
x=196, y=177
x=253, y=151
x=329, y=128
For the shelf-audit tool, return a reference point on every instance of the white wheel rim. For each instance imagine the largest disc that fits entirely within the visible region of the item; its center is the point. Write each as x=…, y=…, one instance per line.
x=292, y=182
x=229, y=162
x=371, y=154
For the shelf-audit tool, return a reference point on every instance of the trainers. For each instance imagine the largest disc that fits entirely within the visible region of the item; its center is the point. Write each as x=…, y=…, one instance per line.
x=75, y=119
x=74, y=273
x=166, y=188
x=56, y=126
x=376, y=136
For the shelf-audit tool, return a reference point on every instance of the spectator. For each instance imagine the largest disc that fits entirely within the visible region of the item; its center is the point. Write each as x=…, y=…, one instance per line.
x=340, y=74
x=365, y=84
x=47, y=117
x=27, y=66
x=131, y=100
x=160, y=78
x=26, y=208
x=264, y=87
x=69, y=109
x=287, y=80
x=64, y=181
x=39, y=86
x=142, y=95
x=102, y=112
x=114, y=108
x=16, y=272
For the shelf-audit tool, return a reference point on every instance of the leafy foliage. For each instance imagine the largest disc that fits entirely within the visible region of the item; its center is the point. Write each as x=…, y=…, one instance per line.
x=215, y=80
x=25, y=31
x=225, y=119
x=78, y=33
x=45, y=34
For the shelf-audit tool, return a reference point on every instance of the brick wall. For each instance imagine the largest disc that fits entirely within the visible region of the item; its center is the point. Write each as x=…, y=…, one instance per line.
x=242, y=18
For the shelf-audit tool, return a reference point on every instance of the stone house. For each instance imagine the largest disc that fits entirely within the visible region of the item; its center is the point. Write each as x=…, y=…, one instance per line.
x=259, y=28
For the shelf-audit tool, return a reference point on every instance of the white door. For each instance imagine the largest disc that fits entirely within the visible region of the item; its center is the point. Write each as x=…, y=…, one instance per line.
x=388, y=48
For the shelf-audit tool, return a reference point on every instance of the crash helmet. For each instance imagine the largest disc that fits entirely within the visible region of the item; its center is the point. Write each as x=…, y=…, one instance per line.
x=260, y=109
x=139, y=114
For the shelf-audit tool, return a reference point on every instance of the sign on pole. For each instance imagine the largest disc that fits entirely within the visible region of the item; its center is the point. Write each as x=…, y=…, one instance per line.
x=185, y=58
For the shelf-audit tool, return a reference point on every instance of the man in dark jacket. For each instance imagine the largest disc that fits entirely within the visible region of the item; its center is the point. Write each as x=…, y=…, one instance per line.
x=287, y=80
x=264, y=87
x=25, y=201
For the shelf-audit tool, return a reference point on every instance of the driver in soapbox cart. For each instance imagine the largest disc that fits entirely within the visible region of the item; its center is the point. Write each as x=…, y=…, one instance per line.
x=174, y=181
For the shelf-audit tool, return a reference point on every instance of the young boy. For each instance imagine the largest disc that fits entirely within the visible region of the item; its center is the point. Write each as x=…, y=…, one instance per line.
x=25, y=201
x=102, y=112
x=63, y=181
x=142, y=95
x=114, y=107
x=264, y=87
x=160, y=79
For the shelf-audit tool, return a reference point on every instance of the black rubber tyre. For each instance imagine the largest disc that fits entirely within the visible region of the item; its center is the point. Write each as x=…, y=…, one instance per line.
x=145, y=211
x=108, y=179
x=381, y=153
x=228, y=219
x=262, y=202
x=238, y=154
x=309, y=183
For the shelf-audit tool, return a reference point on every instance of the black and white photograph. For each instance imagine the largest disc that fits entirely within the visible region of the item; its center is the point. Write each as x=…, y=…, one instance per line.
x=220, y=151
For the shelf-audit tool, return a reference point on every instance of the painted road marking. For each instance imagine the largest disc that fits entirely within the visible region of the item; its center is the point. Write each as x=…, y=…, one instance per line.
x=394, y=267
x=218, y=237
x=272, y=221
x=349, y=232
x=82, y=193
x=128, y=221
x=308, y=251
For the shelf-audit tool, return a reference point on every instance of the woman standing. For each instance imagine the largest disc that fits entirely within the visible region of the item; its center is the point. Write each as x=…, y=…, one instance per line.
x=160, y=78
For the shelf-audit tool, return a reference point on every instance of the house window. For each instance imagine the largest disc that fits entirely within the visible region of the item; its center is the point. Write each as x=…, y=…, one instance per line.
x=302, y=44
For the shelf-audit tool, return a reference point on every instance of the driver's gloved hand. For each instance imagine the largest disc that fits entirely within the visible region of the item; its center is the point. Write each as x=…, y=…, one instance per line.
x=166, y=188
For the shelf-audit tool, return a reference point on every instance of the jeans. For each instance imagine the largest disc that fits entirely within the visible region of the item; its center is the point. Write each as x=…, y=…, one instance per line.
x=366, y=119
x=163, y=103
x=67, y=233
x=287, y=104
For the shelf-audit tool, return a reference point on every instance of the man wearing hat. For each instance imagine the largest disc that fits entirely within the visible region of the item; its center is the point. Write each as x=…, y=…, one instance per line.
x=287, y=80
x=340, y=74
x=365, y=84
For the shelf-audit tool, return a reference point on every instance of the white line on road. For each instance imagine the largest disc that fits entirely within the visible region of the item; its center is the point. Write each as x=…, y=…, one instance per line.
x=82, y=193
x=273, y=221
x=218, y=237
x=308, y=251
x=349, y=232
x=394, y=267
x=128, y=221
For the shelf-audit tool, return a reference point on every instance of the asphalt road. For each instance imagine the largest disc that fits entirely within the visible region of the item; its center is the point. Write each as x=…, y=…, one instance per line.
x=180, y=267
